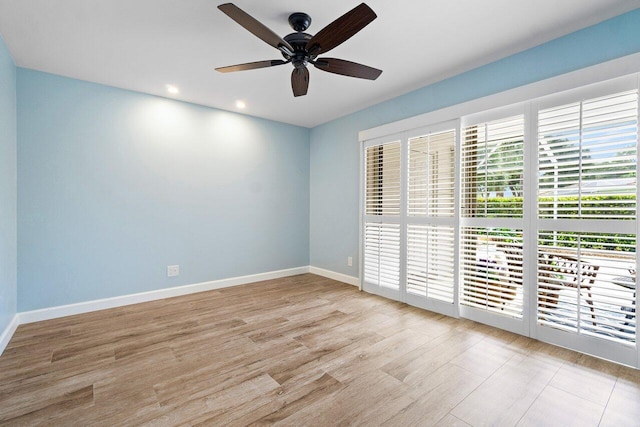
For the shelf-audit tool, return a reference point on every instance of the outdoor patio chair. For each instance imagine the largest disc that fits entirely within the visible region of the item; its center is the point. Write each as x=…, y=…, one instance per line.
x=513, y=254
x=558, y=272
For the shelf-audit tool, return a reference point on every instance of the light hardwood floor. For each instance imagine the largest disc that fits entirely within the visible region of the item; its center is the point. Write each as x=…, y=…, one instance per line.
x=304, y=350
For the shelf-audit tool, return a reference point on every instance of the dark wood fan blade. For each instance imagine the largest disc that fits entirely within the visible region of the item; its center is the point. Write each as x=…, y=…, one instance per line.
x=254, y=26
x=341, y=29
x=347, y=68
x=300, y=81
x=251, y=66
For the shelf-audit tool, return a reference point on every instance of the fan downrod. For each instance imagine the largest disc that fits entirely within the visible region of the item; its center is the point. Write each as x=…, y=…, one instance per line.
x=299, y=21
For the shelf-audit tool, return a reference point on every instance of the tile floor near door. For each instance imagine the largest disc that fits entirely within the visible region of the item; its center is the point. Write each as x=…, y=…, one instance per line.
x=303, y=350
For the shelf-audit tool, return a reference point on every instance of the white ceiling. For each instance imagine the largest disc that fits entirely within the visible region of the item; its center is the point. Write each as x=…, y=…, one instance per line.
x=143, y=45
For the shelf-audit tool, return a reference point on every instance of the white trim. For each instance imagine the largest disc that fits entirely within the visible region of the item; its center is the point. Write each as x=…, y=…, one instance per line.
x=498, y=113
x=435, y=306
x=496, y=320
x=361, y=210
x=119, y=301
x=345, y=278
x=383, y=291
x=456, y=218
x=597, y=73
x=594, y=90
x=404, y=177
x=598, y=347
x=8, y=333
x=529, y=215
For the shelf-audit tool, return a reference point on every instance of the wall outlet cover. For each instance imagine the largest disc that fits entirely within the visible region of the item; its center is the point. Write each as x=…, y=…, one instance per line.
x=173, y=270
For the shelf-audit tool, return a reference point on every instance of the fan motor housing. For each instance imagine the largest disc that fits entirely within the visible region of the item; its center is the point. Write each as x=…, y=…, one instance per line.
x=299, y=43
x=299, y=21
x=298, y=40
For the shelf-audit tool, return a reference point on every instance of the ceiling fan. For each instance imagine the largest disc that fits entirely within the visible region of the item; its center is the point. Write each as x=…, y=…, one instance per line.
x=300, y=48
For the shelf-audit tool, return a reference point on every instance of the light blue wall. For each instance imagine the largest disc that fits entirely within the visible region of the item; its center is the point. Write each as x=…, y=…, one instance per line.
x=113, y=186
x=8, y=197
x=335, y=148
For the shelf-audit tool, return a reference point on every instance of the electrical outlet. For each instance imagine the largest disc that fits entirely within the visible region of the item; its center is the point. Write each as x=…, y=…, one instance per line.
x=173, y=270
x=350, y=261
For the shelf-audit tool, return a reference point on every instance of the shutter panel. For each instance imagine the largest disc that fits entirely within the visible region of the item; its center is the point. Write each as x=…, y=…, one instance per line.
x=431, y=195
x=587, y=174
x=382, y=254
x=430, y=255
x=383, y=179
x=431, y=175
x=491, y=263
x=587, y=153
x=382, y=198
x=492, y=169
x=586, y=283
x=492, y=189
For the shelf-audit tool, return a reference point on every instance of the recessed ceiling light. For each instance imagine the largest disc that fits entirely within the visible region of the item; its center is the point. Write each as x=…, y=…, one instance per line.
x=172, y=89
x=241, y=104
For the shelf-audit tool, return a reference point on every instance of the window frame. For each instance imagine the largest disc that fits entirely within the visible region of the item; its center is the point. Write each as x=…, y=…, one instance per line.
x=426, y=303
x=601, y=79
x=594, y=345
x=517, y=325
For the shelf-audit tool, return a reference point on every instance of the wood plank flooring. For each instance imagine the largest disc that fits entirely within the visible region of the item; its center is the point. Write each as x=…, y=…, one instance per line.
x=303, y=350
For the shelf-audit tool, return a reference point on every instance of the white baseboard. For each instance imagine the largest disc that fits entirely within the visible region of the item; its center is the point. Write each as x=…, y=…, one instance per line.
x=8, y=333
x=119, y=301
x=335, y=276
x=101, y=304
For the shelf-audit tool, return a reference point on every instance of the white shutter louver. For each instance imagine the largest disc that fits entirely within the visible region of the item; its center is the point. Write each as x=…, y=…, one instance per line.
x=431, y=175
x=382, y=200
x=492, y=169
x=383, y=179
x=587, y=204
x=430, y=216
x=587, y=154
x=430, y=255
x=491, y=262
x=491, y=254
x=586, y=283
x=382, y=254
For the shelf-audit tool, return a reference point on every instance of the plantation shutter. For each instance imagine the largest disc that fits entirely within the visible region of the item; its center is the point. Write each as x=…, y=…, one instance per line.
x=382, y=215
x=383, y=180
x=382, y=254
x=492, y=167
x=491, y=235
x=430, y=210
x=586, y=283
x=492, y=269
x=430, y=267
x=431, y=175
x=588, y=159
x=587, y=209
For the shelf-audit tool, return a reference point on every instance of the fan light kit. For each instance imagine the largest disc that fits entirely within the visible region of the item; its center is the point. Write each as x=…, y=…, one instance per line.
x=301, y=49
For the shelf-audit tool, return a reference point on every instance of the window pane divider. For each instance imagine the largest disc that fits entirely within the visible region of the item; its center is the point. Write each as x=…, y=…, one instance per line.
x=589, y=225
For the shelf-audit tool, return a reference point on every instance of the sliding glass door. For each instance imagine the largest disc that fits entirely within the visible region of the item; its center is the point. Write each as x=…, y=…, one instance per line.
x=409, y=217
x=587, y=221
x=492, y=227
x=430, y=219
x=523, y=218
x=382, y=219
